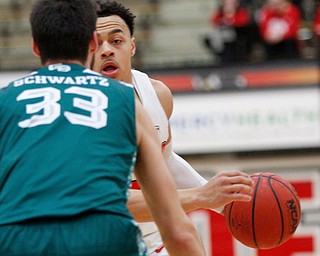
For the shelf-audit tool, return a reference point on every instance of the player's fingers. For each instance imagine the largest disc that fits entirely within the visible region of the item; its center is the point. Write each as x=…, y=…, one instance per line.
x=241, y=180
x=237, y=177
x=241, y=197
x=234, y=173
x=239, y=188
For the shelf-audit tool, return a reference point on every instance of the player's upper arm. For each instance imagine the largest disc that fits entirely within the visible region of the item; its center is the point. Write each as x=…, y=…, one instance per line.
x=164, y=95
x=139, y=119
x=144, y=125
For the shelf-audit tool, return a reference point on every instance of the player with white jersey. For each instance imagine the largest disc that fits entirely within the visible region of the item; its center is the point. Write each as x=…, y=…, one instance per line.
x=115, y=27
x=184, y=175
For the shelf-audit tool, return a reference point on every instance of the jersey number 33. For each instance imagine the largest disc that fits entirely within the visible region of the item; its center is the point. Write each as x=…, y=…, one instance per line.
x=51, y=109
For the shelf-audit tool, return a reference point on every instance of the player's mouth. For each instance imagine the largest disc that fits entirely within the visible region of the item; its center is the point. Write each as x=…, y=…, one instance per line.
x=110, y=69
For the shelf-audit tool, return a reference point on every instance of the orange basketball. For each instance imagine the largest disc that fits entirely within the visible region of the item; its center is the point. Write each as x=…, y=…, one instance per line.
x=270, y=218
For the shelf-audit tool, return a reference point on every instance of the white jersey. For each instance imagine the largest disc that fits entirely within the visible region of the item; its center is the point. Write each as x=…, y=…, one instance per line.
x=183, y=174
x=152, y=105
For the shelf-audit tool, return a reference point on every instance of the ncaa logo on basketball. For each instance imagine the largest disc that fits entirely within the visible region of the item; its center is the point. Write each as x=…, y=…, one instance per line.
x=293, y=214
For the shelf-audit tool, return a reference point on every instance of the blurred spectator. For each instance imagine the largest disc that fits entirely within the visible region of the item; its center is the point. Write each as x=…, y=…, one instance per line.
x=316, y=21
x=229, y=37
x=300, y=5
x=279, y=22
x=316, y=29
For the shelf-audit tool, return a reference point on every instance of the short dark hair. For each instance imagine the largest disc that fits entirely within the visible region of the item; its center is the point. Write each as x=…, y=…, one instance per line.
x=62, y=29
x=107, y=8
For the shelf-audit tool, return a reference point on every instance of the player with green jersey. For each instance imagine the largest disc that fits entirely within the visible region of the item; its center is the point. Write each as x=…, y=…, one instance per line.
x=69, y=139
x=52, y=112
x=55, y=149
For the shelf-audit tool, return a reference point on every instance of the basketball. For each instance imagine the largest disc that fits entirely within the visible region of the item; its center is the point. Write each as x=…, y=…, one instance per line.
x=270, y=218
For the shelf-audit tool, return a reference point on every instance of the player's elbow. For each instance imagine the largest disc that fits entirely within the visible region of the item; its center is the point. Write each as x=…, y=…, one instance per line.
x=184, y=241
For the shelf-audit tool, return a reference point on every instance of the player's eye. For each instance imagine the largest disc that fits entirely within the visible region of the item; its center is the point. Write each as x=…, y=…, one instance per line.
x=117, y=41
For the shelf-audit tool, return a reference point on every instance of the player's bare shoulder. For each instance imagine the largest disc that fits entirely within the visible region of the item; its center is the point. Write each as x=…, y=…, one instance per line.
x=164, y=95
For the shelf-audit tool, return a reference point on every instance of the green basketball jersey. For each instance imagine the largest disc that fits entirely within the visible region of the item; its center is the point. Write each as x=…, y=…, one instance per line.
x=67, y=144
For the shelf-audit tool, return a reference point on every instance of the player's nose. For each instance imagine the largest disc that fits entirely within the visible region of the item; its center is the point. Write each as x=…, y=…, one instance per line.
x=106, y=50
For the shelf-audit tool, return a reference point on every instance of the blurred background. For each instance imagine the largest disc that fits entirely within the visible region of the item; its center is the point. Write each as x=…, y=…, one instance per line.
x=245, y=77
x=172, y=34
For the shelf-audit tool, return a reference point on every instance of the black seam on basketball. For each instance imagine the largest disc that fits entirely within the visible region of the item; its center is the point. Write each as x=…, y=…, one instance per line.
x=252, y=211
x=230, y=220
x=279, y=206
x=293, y=192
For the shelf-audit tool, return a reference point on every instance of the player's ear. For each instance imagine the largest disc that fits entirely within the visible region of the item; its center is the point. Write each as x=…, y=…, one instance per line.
x=93, y=46
x=35, y=49
x=133, y=46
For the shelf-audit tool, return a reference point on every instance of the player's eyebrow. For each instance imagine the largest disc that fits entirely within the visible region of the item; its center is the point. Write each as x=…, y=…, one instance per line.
x=110, y=33
x=115, y=31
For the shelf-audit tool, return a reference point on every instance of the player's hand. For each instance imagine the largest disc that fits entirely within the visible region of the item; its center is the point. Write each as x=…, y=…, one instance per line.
x=225, y=187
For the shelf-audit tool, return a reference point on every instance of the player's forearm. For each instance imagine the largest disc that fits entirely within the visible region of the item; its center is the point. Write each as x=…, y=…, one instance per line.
x=177, y=231
x=189, y=199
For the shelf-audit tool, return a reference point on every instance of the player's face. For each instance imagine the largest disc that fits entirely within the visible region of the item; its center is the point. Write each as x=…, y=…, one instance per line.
x=116, y=48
